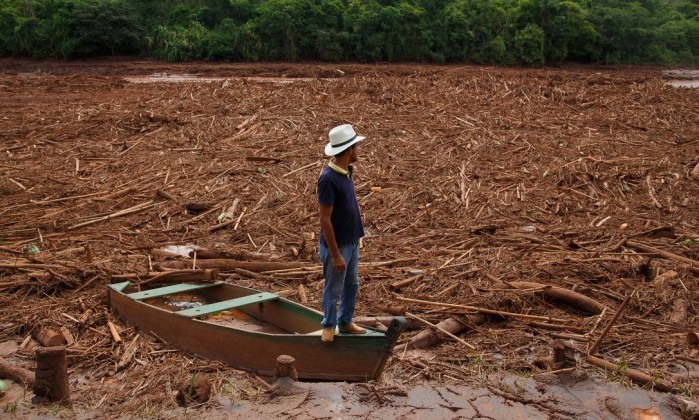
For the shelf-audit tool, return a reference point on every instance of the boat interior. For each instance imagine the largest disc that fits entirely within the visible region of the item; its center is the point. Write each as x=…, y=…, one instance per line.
x=232, y=306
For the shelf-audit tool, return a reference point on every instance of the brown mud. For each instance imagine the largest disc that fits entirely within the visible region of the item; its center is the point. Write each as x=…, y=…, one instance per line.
x=499, y=188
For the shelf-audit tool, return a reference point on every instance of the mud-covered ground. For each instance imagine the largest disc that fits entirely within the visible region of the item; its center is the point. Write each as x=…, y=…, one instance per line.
x=493, y=189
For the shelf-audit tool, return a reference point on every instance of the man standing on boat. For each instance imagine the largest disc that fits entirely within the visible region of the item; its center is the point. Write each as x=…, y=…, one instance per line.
x=341, y=228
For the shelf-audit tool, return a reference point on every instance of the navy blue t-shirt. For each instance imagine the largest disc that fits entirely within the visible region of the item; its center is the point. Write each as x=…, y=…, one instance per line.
x=337, y=190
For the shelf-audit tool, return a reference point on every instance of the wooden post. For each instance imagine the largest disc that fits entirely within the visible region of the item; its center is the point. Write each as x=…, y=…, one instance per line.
x=285, y=376
x=52, y=375
x=285, y=368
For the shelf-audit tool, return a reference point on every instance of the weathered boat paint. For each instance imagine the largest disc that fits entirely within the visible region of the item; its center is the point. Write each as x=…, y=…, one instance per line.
x=348, y=358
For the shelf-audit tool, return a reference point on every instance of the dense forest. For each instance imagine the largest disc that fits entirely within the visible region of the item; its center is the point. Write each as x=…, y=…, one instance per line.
x=532, y=32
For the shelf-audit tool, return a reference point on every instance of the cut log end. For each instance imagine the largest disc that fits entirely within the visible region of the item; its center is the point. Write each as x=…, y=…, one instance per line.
x=50, y=338
x=693, y=339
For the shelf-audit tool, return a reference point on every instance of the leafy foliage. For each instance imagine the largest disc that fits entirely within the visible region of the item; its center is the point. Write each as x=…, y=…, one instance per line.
x=529, y=32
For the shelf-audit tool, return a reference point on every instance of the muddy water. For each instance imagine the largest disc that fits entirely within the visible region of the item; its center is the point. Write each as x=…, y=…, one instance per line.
x=192, y=78
x=683, y=78
x=573, y=395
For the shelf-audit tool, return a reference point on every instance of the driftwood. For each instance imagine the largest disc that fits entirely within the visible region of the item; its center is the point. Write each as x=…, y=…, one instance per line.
x=386, y=321
x=570, y=297
x=188, y=275
x=50, y=338
x=303, y=298
x=397, y=310
x=693, y=339
x=449, y=322
x=429, y=338
x=646, y=248
x=209, y=274
x=556, y=327
x=609, y=326
x=482, y=310
x=397, y=285
x=633, y=374
x=662, y=278
x=195, y=208
x=205, y=254
x=231, y=265
x=17, y=374
x=115, y=334
x=680, y=311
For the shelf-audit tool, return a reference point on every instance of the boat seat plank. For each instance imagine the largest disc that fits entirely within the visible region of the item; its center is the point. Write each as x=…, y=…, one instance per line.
x=167, y=291
x=227, y=304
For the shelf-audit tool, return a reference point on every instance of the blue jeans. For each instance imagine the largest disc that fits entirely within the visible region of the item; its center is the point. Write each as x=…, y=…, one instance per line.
x=340, y=286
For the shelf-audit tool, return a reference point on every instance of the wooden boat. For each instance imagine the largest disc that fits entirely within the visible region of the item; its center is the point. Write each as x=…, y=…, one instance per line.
x=248, y=329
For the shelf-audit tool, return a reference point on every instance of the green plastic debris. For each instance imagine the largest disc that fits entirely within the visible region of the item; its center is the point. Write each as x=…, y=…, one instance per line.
x=33, y=249
x=221, y=216
x=260, y=170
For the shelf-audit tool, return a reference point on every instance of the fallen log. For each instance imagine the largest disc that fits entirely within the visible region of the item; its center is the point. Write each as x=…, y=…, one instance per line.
x=209, y=274
x=441, y=329
x=397, y=285
x=646, y=248
x=198, y=275
x=611, y=323
x=49, y=338
x=303, y=298
x=17, y=374
x=397, y=310
x=205, y=254
x=198, y=207
x=483, y=310
x=570, y=297
x=633, y=374
x=131, y=210
x=386, y=321
x=693, y=339
x=556, y=327
x=231, y=265
x=680, y=309
x=429, y=338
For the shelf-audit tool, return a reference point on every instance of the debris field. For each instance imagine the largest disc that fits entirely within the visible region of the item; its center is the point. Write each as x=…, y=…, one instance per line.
x=520, y=209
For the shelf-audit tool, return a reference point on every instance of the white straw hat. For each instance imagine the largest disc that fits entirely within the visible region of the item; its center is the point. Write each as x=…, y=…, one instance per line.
x=341, y=137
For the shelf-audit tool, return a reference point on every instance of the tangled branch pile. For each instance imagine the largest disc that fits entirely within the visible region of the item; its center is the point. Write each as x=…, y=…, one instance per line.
x=547, y=194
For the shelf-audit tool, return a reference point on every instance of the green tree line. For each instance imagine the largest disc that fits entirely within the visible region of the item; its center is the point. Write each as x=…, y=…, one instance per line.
x=536, y=32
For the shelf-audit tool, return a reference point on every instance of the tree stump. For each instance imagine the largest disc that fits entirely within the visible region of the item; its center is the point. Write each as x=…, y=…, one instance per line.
x=51, y=374
x=195, y=390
